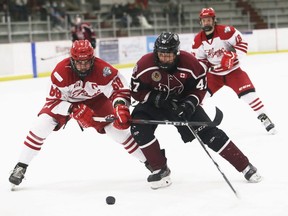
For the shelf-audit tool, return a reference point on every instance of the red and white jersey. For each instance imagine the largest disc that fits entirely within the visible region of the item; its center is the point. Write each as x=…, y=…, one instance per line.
x=67, y=87
x=210, y=52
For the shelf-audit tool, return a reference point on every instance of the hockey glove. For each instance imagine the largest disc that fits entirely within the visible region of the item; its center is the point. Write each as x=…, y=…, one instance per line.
x=159, y=100
x=228, y=59
x=184, y=110
x=122, y=114
x=83, y=115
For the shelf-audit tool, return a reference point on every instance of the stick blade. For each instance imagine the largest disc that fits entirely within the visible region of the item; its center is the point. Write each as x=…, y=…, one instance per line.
x=218, y=117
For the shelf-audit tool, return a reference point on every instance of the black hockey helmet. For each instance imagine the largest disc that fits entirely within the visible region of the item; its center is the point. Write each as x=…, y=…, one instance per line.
x=167, y=42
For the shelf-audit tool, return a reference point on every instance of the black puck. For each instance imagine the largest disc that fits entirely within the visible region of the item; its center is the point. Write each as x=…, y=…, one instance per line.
x=110, y=200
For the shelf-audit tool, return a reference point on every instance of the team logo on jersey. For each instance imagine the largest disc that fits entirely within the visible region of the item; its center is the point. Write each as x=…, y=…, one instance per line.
x=227, y=29
x=107, y=71
x=156, y=76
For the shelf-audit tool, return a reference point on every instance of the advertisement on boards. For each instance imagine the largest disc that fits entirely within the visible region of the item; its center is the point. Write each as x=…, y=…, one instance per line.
x=131, y=49
x=109, y=50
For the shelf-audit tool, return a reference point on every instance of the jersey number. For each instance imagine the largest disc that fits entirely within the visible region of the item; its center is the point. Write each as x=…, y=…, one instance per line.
x=117, y=84
x=135, y=85
x=202, y=84
x=55, y=92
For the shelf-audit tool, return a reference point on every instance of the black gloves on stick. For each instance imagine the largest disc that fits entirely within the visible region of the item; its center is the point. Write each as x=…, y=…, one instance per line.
x=183, y=109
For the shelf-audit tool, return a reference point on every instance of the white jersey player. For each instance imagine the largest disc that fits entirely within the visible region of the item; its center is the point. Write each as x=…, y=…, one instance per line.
x=82, y=86
x=219, y=49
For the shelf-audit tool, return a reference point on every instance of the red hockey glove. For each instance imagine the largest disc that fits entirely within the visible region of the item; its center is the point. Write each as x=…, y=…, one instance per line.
x=122, y=114
x=84, y=115
x=228, y=59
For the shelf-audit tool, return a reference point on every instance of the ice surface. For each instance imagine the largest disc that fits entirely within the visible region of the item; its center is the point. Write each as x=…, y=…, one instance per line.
x=76, y=171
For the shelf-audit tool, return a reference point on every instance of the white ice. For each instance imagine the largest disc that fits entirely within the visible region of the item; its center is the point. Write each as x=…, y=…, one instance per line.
x=76, y=171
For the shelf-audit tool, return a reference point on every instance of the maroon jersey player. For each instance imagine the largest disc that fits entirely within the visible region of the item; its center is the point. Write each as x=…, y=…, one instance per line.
x=83, y=31
x=82, y=86
x=220, y=48
x=170, y=84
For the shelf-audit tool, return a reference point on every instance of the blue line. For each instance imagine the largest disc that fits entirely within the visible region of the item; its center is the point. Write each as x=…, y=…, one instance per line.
x=34, y=64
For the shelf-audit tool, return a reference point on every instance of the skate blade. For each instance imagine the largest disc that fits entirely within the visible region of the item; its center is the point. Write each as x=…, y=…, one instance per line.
x=273, y=131
x=164, y=182
x=255, y=178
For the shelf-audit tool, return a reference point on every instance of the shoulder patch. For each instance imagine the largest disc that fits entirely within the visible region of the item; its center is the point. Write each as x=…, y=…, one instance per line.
x=227, y=29
x=225, y=32
x=107, y=71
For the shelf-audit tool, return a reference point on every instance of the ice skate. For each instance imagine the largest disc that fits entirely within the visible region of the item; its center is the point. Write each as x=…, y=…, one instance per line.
x=17, y=175
x=251, y=174
x=160, y=178
x=267, y=123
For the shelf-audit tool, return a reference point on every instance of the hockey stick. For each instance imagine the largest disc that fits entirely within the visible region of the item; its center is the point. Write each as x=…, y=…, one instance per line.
x=218, y=167
x=54, y=56
x=217, y=120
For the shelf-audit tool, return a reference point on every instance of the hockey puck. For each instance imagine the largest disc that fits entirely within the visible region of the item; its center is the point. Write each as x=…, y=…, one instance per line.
x=110, y=200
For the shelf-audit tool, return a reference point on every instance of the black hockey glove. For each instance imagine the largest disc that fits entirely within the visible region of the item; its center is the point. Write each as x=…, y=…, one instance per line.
x=184, y=110
x=160, y=100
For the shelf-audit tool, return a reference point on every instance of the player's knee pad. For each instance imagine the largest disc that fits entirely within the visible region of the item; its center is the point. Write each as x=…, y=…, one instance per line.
x=214, y=137
x=44, y=125
x=186, y=134
x=142, y=133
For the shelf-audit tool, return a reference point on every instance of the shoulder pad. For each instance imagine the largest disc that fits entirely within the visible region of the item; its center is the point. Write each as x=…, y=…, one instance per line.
x=197, y=41
x=60, y=74
x=225, y=32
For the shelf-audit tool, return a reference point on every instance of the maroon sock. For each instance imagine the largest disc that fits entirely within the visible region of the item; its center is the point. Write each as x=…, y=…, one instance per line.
x=154, y=156
x=235, y=157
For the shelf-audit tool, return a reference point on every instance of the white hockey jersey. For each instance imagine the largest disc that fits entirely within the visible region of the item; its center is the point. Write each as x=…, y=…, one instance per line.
x=210, y=52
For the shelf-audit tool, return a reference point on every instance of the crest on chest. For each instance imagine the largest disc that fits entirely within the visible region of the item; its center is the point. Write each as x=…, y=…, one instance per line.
x=156, y=76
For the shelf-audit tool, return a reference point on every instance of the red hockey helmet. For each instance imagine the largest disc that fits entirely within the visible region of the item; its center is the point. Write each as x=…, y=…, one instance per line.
x=82, y=57
x=207, y=12
x=82, y=50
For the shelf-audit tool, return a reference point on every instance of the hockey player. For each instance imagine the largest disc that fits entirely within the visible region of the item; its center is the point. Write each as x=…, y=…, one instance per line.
x=219, y=48
x=170, y=84
x=82, y=86
x=83, y=31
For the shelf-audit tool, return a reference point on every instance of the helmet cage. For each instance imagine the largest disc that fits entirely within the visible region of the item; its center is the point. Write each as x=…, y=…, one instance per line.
x=81, y=51
x=81, y=74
